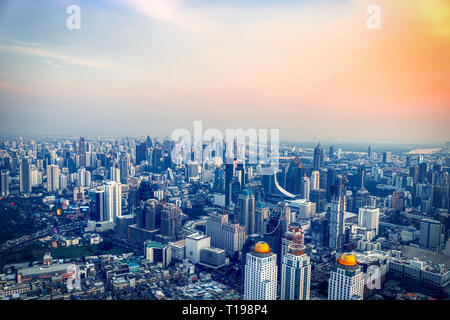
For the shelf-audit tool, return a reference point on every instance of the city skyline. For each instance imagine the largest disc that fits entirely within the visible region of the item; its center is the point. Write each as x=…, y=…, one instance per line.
x=312, y=69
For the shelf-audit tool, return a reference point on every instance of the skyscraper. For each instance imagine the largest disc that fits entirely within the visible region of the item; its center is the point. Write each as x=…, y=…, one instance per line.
x=113, y=200
x=318, y=157
x=234, y=237
x=337, y=227
x=246, y=207
x=97, y=206
x=368, y=217
x=141, y=152
x=82, y=153
x=370, y=153
x=170, y=221
x=4, y=183
x=123, y=165
x=230, y=170
x=387, y=157
x=25, y=176
x=261, y=215
x=305, y=187
x=346, y=279
x=52, y=178
x=431, y=235
x=295, y=272
x=214, y=228
x=260, y=282
x=315, y=179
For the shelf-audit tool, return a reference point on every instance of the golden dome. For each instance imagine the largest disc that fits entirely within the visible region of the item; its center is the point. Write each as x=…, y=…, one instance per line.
x=347, y=259
x=261, y=247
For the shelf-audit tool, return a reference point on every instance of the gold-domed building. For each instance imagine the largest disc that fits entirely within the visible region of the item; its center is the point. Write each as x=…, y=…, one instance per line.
x=261, y=247
x=347, y=259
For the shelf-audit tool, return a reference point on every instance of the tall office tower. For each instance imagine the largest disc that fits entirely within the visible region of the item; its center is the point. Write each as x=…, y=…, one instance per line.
x=286, y=240
x=53, y=178
x=214, y=228
x=113, y=200
x=82, y=153
x=408, y=161
x=63, y=181
x=315, y=179
x=387, y=157
x=241, y=172
x=362, y=195
x=295, y=272
x=194, y=245
x=25, y=176
x=171, y=221
x=4, y=183
x=230, y=170
x=156, y=160
x=261, y=215
x=337, y=226
x=294, y=174
x=246, y=207
x=236, y=189
x=123, y=165
x=234, y=237
x=261, y=270
x=219, y=180
x=346, y=279
x=318, y=157
x=397, y=200
x=114, y=174
x=148, y=214
x=369, y=217
x=331, y=153
x=431, y=235
x=87, y=179
x=141, y=152
x=81, y=177
x=370, y=153
x=423, y=172
x=319, y=197
x=97, y=207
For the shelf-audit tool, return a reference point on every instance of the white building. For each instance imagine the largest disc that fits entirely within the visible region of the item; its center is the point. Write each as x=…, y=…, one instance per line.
x=113, y=200
x=315, y=179
x=52, y=178
x=260, y=282
x=346, y=279
x=369, y=218
x=194, y=244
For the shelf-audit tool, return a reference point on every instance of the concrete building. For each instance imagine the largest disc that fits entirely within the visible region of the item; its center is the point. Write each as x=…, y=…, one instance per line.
x=260, y=282
x=346, y=279
x=194, y=244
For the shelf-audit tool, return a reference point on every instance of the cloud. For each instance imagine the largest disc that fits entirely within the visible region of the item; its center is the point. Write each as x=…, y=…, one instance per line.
x=39, y=51
x=11, y=87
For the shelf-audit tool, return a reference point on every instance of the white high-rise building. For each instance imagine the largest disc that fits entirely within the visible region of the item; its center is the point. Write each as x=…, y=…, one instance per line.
x=306, y=186
x=295, y=272
x=315, y=179
x=113, y=200
x=194, y=244
x=114, y=174
x=337, y=225
x=52, y=178
x=260, y=282
x=83, y=178
x=346, y=279
x=369, y=217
